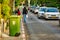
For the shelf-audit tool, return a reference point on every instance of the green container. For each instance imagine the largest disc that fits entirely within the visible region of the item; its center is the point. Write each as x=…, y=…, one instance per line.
x=15, y=23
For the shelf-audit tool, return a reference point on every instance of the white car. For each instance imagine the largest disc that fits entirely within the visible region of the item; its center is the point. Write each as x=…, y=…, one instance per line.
x=41, y=12
x=36, y=10
x=32, y=8
x=51, y=13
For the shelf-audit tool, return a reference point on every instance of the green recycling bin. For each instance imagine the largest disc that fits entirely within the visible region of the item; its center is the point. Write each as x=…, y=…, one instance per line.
x=15, y=23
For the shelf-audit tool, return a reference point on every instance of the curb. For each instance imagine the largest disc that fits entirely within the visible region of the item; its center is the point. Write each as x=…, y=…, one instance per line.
x=23, y=31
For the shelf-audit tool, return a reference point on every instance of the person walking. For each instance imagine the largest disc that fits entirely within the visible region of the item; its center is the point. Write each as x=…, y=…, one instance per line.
x=19, y=13
x=24, y=13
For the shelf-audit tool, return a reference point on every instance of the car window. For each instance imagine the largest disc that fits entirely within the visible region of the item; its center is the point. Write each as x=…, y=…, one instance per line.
x=33, y=7
x=52, y=10
x=37, y=8
x=42, y=9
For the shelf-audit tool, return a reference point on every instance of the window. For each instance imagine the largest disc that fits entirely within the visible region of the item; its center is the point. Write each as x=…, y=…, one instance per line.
x=52, y=10
x=42, y=9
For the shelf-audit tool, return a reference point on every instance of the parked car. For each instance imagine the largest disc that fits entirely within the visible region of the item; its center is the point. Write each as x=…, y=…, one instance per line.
x=36, y=10
x=51, y=13
x=33, y=9
x=41, y=12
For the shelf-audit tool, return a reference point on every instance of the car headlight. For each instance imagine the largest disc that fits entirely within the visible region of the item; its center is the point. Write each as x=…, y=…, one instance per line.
x=46, y=14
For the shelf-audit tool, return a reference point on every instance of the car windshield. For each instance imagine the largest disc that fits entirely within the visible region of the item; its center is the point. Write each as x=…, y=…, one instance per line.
x=33, y=6
x=42, y=9
x=37, y=8
x=52, y=10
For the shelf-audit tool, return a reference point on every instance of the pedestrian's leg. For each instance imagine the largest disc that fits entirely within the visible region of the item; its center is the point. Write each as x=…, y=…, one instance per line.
x=24, y=18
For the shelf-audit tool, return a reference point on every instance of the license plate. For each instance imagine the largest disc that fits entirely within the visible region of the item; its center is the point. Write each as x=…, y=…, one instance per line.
x=53, y=16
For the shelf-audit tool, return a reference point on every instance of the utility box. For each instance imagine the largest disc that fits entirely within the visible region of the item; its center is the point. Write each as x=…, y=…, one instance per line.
x=15, y=24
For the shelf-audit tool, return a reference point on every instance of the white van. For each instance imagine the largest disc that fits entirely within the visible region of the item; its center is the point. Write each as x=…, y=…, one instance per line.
x=51, y=13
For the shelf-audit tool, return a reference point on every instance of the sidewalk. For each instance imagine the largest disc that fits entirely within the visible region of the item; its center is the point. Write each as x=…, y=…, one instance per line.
x=11, y=38
x=5, y=35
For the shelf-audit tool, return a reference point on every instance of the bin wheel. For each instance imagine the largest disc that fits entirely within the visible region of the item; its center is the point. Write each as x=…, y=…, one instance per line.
x=17, y=34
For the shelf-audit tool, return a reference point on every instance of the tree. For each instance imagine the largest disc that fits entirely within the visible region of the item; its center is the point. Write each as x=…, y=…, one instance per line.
x=17, y=2
x=34, y=2
x=58, y=3
x=1, y=1
x=50, y=3
x=5, y=9
x=26, y=2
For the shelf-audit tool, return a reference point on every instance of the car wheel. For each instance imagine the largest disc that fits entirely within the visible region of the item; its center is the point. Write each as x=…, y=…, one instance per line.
x=32, y=11
x=41, y=17
x=36, y=13
x=38, y=17
x=46, y=18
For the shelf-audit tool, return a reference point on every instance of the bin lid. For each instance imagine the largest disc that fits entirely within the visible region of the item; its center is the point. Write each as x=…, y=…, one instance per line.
x=14, y=16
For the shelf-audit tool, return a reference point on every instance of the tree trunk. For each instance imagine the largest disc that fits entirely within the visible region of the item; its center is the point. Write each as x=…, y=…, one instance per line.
x=11, y=5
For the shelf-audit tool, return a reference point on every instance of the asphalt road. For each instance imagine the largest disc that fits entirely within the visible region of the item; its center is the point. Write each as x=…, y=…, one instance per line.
x=39, y=29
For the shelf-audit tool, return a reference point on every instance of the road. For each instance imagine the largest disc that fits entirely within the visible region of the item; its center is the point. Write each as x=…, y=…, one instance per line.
x=39, y=29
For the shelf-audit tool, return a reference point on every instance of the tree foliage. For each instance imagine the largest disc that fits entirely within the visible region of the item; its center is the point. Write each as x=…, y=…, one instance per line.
x=53, y=3
x=1, y=1
x=5, y=9
x=17, y=2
